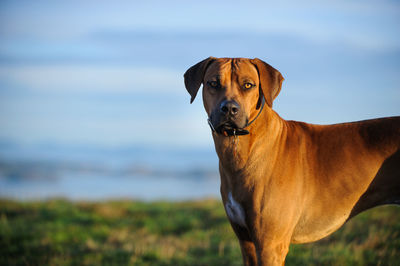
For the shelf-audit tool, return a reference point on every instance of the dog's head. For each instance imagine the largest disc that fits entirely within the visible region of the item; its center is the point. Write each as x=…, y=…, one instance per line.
x=233, y=89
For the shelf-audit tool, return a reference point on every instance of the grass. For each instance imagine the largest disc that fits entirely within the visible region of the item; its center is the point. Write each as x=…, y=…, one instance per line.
x=60, y=232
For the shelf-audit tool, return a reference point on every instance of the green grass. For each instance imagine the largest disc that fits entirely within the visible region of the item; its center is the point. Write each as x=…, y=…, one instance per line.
x=60, y=232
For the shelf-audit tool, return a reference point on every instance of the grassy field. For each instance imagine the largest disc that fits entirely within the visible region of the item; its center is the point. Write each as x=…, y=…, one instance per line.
x=60, y=232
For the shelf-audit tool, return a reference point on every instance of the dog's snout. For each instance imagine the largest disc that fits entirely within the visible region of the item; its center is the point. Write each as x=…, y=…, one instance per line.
x=229, y=108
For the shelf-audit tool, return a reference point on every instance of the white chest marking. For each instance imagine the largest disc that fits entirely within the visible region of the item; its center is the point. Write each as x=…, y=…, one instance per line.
x=234, y=211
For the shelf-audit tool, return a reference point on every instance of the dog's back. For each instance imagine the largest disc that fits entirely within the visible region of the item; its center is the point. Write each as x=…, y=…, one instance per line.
x=382, y=135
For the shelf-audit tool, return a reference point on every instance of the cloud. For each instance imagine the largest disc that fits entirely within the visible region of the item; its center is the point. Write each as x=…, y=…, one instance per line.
x=78, y=78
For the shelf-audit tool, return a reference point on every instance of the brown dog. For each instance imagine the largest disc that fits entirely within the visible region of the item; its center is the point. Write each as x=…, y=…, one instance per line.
x=283, y=181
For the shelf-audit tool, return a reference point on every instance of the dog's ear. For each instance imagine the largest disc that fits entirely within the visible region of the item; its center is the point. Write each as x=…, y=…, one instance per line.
x=270, y=80
x=194, y=76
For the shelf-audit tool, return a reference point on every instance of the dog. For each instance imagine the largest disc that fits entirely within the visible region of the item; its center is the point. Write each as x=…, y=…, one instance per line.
x=284, y=181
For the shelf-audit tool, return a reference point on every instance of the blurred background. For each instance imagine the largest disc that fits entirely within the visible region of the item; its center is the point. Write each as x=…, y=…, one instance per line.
x=92, y=101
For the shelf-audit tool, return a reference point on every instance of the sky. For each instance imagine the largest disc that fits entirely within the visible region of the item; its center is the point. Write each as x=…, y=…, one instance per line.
x=111, y=73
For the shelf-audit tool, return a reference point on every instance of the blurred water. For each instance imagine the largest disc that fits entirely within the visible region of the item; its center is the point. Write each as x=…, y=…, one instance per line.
x=92, y=173
x=78, y=186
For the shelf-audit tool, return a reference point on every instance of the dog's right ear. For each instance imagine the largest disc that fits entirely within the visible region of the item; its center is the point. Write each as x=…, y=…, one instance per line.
x=194, y=76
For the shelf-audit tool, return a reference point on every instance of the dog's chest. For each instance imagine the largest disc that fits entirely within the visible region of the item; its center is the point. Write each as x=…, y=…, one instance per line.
x=235, y=211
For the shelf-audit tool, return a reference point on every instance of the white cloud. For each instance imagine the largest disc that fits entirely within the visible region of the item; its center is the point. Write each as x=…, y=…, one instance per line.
x=73, y=78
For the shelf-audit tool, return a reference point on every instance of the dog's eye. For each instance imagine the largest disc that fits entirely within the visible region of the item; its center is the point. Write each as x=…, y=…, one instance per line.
x=248, y=85
x=213, y=84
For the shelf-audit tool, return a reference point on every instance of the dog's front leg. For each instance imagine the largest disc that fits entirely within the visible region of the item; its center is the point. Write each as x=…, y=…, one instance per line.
x=272, y=239
x=246, y=245
x=272, y=253
x=248, y=252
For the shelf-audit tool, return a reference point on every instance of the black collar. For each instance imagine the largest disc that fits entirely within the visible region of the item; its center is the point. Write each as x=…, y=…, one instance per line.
x=238, y=131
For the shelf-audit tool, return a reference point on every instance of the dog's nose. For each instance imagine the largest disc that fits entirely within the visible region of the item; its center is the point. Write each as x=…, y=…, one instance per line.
x=229, y=107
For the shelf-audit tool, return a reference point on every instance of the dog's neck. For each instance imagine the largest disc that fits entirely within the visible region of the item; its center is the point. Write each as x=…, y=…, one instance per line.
x=236, y=152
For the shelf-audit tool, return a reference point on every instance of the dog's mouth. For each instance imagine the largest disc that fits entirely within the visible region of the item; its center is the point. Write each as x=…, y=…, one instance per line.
x=230, y=128
x=228, y=125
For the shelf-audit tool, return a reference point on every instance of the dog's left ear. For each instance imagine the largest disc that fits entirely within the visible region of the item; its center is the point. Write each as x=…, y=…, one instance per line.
x=270, y=80
x=194, y=76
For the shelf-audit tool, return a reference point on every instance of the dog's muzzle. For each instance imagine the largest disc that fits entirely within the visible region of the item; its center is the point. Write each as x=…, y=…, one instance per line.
x=229, y=128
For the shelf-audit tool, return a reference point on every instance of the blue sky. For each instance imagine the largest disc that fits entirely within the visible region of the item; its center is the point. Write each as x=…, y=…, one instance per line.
x=110, y=73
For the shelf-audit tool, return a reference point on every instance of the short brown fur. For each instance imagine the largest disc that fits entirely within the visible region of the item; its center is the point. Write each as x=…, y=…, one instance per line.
x=296, y=182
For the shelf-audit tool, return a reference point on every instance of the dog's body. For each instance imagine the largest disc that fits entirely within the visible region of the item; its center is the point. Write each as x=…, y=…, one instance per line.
x=283, y=181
